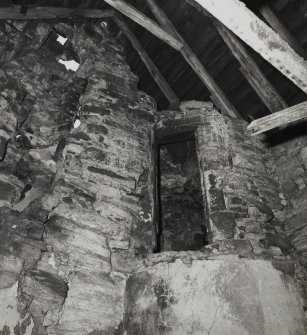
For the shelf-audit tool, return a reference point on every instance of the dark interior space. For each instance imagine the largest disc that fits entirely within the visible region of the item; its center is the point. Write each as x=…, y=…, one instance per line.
x=181, y=206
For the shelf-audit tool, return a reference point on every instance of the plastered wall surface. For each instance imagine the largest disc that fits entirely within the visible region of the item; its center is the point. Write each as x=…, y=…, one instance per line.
x=218, y=296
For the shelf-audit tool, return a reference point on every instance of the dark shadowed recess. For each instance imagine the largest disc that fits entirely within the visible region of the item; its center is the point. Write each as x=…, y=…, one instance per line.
x=182, y=222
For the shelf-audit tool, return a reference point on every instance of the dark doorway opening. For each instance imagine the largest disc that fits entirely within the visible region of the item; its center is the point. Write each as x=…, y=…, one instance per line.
x=181, y=218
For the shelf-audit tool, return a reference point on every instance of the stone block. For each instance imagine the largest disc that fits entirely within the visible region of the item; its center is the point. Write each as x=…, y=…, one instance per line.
x=241, y=247
x=278, y=240
x=299, y=201
x=253, y=227
x=222, y=225
x=296, y=222
x=10, y=188
x=275, y=251
x=304, y=157
x=193, y=104
x=10, y=270
x=259, y=210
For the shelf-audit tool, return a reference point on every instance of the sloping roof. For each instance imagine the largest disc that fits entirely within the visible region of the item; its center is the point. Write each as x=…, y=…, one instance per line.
x=199, y=32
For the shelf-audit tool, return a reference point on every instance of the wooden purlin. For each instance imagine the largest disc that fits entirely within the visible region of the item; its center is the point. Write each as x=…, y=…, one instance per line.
x=279, y=119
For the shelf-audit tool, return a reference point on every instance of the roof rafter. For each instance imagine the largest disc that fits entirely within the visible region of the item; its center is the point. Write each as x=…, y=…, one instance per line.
x=217, y=95
x=273, y=20
x=151, y=67
x=259, y=36
x=250, y=69
x=145, y=22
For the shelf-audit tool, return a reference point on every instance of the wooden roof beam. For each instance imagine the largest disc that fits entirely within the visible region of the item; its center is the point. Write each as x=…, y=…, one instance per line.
x=250, y=69
x=259, y=36
x=274, y=21
x=217, y=95
x=282, y=118
x=49, y=13
x=151, y=67
x=145, y=22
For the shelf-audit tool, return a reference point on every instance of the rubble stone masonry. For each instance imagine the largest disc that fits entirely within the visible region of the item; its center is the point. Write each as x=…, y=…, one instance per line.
x=286, y=161
x=74, y=202
x=76, y=230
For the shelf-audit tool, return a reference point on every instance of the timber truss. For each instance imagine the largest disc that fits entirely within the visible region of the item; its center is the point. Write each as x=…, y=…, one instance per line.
x=270, y=39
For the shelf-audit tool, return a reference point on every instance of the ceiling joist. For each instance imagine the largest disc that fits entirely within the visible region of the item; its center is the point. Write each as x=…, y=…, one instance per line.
x=49, y=13
x=259, y=36
x=282, y=118
x=218, y=96
x=145, y=22
x=151, y=67
x=250, y=69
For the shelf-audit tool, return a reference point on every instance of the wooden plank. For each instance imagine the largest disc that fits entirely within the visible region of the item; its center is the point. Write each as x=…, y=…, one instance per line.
x=48, y=13
x=282, y=118
x=218, y=95
x=151, y=67
x=251, y=71
x=259, y=36
x=145, y=22
x=274, y=21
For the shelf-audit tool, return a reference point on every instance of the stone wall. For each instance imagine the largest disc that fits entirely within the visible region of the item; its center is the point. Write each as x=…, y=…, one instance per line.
x=75, y=203
x=246, y=231
x=286, y=161
x=241, y=196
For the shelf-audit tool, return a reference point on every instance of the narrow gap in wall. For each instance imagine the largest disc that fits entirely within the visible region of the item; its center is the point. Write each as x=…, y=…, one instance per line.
x=61, y=39
x=58, y=48
x=182, y=221
x=70, y=64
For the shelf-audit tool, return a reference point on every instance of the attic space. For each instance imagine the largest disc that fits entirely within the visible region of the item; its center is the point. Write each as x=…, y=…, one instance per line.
x=153, y=167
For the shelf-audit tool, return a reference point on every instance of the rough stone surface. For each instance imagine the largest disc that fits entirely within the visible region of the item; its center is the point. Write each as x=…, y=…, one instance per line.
x=240, y=193
x=240, y=197
x=75, y=203
x=286, y=160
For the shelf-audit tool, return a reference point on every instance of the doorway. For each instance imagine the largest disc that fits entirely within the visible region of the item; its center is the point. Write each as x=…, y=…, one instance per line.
x=180, y=216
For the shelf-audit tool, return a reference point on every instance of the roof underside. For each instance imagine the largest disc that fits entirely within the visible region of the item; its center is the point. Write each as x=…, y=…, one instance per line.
x=203, y=38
